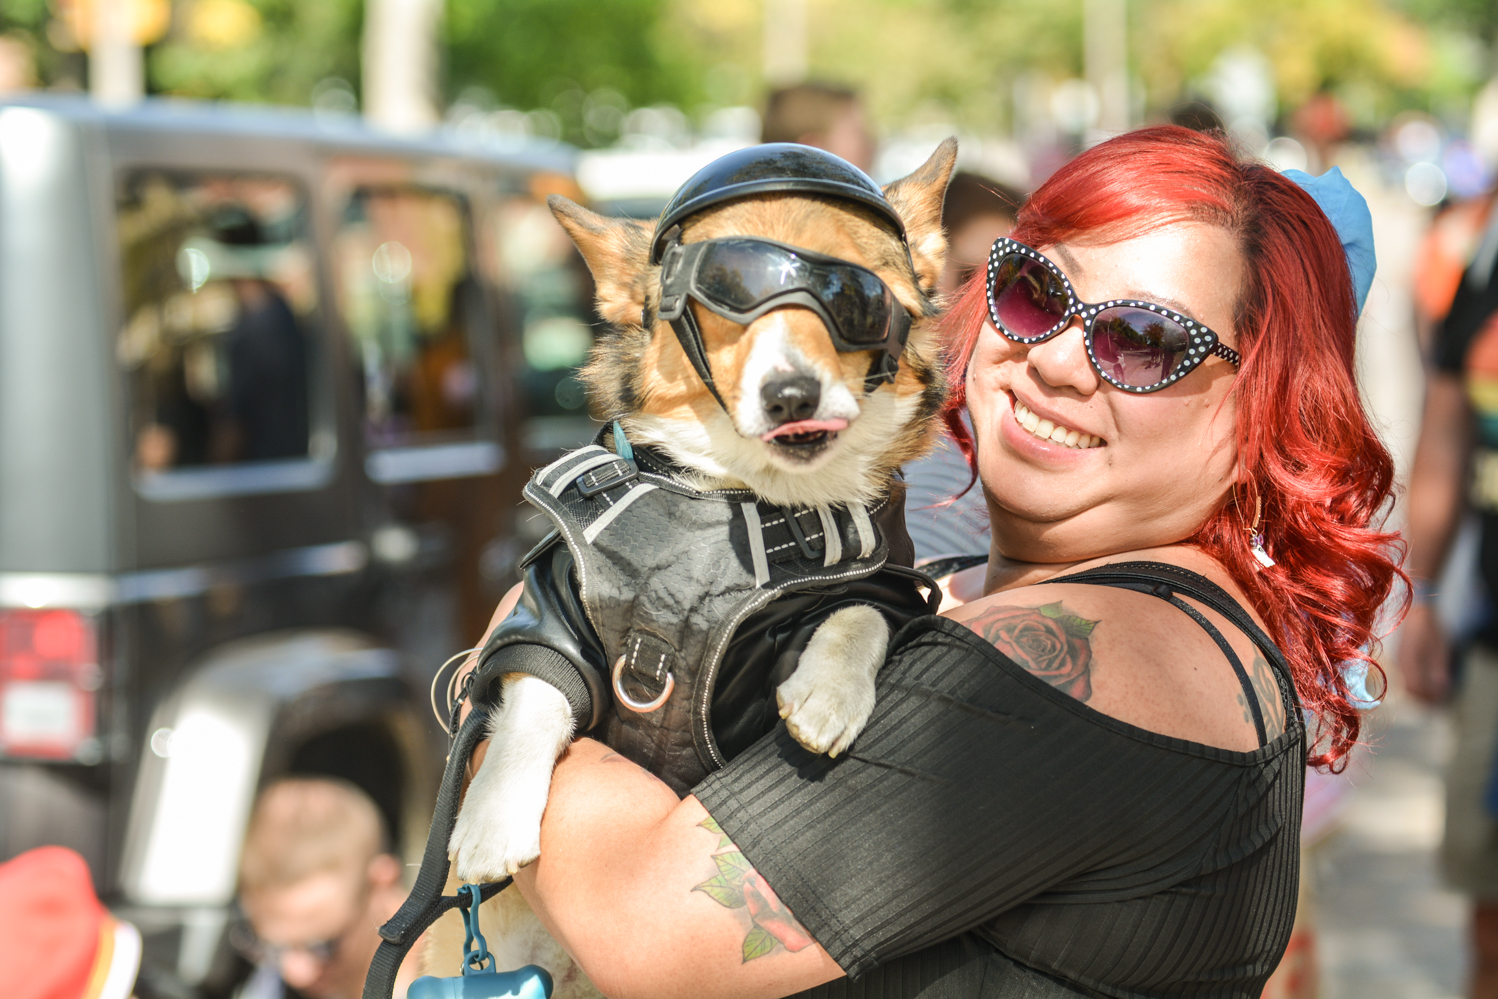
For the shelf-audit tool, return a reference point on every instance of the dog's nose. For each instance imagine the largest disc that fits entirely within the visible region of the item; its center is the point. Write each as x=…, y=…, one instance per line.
x=789, y=399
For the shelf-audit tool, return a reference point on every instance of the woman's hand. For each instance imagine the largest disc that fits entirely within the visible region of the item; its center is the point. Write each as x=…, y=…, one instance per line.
x=1425, y=655
x=1435, y=509
x=621, y=878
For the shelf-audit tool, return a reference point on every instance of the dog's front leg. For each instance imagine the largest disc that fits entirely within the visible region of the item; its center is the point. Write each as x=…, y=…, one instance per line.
x=827, y=701
x=499, y=827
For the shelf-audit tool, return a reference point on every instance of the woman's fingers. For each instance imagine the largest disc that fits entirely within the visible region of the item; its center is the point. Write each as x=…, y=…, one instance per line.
x=1425, y=656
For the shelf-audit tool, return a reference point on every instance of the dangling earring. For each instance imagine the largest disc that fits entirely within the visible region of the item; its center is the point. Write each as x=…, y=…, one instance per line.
x=1256, y=537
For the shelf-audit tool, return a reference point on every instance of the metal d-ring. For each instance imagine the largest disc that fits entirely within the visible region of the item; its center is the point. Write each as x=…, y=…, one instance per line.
x=639, y=707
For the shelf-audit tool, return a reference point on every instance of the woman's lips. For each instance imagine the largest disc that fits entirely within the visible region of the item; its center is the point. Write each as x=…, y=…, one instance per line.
x=1052, y=432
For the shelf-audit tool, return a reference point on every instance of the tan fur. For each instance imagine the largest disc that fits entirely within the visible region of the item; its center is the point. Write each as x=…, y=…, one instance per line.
x=639, y=374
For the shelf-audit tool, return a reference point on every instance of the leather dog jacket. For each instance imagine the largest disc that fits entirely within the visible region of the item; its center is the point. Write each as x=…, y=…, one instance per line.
x=668, y=615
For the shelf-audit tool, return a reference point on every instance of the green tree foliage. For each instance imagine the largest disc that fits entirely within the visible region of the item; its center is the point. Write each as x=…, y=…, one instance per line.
x=965, y=60
x=26, y=21
x=531, y=53
x=277, y=54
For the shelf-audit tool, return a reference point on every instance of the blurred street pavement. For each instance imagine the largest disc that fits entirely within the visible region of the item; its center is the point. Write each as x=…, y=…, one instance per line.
x=1387, y=928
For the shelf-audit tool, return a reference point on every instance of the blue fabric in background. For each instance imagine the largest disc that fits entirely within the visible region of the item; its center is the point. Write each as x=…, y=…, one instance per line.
x=1349, y=215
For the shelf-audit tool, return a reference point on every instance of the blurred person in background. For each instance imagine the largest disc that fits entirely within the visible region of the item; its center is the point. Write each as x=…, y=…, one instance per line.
x=944, y=509
x=17, y=65
x=56, y=940
x=1449, y=248
x=316, y=881
x=1456, y=469
x=978, y=210
x=823, y=115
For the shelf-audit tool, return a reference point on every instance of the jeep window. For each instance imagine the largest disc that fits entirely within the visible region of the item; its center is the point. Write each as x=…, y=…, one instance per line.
x=411, y=302
x=218, y=280
x=553, y=294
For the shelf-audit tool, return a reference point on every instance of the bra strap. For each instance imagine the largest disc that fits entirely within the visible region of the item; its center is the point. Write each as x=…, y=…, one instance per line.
x=1164, y=580
x=1250, y=695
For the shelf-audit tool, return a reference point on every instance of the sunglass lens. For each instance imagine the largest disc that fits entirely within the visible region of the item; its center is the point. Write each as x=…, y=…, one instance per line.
x=1028, y=299
x=1137, y=347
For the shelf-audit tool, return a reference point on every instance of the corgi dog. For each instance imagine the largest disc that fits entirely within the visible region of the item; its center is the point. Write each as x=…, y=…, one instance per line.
x=722, y=384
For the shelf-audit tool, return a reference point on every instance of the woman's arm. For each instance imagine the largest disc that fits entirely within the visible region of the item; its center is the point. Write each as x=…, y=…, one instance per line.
x=651, y=899
x=1434, y=512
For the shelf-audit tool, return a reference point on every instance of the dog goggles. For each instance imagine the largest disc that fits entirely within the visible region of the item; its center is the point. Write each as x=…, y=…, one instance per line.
x=741, y=278
x=1137, y=346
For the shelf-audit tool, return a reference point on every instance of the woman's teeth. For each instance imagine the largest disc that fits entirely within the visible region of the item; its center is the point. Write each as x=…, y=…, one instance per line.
x=1056, y=434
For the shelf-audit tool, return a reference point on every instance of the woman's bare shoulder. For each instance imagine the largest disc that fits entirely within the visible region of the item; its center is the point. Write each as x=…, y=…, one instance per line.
x=1132, y=655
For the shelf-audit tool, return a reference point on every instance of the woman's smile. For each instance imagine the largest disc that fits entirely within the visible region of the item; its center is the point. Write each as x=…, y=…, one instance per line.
x=1051, y=429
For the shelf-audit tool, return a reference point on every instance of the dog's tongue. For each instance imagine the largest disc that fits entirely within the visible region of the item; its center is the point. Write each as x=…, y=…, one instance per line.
x=805, y=427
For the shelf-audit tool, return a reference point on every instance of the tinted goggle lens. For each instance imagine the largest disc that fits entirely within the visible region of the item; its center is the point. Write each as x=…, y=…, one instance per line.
x=742, y=275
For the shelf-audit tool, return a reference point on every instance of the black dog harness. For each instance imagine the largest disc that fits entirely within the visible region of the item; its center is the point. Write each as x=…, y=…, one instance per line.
x=660, y=597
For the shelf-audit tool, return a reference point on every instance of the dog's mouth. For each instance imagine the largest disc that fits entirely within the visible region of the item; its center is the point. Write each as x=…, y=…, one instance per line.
x=804, y=437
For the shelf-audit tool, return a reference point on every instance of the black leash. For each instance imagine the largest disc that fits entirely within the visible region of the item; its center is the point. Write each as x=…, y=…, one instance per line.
x=426, y=901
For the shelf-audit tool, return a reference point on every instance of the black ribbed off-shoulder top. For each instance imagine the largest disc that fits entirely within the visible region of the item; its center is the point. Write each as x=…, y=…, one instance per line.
x=990, y=836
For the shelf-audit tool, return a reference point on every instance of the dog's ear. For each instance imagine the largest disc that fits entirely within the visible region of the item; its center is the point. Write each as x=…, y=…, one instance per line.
x=618, y=254
x=918, y=199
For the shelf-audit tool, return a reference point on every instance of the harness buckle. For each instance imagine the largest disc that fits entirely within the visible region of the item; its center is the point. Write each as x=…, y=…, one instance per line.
x=606, y=477
x=800, y=536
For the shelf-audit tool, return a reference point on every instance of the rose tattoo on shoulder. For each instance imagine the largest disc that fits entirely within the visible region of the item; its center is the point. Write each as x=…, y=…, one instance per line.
x=739, y=886
x=1050, y=642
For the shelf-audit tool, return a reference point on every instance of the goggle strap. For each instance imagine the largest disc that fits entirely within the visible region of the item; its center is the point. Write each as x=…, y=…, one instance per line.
x=675, y=310
x=684, y=325
x=884, y=369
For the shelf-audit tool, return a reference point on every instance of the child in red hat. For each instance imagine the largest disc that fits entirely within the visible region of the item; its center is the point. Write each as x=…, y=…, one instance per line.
x=56, y=940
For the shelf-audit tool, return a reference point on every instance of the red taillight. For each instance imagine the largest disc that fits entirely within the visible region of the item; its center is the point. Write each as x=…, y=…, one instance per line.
x=49, y=672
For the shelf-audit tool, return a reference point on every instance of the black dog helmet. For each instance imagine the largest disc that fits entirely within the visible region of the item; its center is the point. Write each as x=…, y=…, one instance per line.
x=772, y=167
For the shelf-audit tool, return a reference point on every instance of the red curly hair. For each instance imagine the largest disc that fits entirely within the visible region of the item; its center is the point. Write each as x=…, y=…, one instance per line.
x=1306, y=449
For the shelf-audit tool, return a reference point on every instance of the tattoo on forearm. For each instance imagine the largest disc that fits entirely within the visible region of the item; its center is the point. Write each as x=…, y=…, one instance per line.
x=739, y=886
x=1261, y=675
x=1050, y=642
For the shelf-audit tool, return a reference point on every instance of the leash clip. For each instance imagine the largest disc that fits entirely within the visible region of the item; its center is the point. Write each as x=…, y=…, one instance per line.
x=481, y=979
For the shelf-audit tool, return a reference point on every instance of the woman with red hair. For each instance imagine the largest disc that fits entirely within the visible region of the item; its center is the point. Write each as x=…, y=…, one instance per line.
x=1087, y=781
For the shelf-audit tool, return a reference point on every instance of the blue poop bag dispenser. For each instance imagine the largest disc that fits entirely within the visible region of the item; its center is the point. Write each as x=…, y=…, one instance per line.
x=480, y=980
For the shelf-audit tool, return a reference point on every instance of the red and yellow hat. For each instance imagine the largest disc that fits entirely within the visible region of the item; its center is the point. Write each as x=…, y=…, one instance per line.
x=56, y=940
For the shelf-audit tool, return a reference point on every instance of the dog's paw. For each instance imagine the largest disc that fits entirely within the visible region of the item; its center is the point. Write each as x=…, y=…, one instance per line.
x=499, y=826
x=829, y=698
x=499, y=829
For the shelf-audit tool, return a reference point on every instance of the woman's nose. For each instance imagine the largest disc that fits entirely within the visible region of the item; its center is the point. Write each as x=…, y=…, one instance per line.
x=1061, y=361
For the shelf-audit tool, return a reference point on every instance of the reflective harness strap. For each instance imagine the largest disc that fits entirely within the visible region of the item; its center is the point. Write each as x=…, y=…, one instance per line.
x=426, y=901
